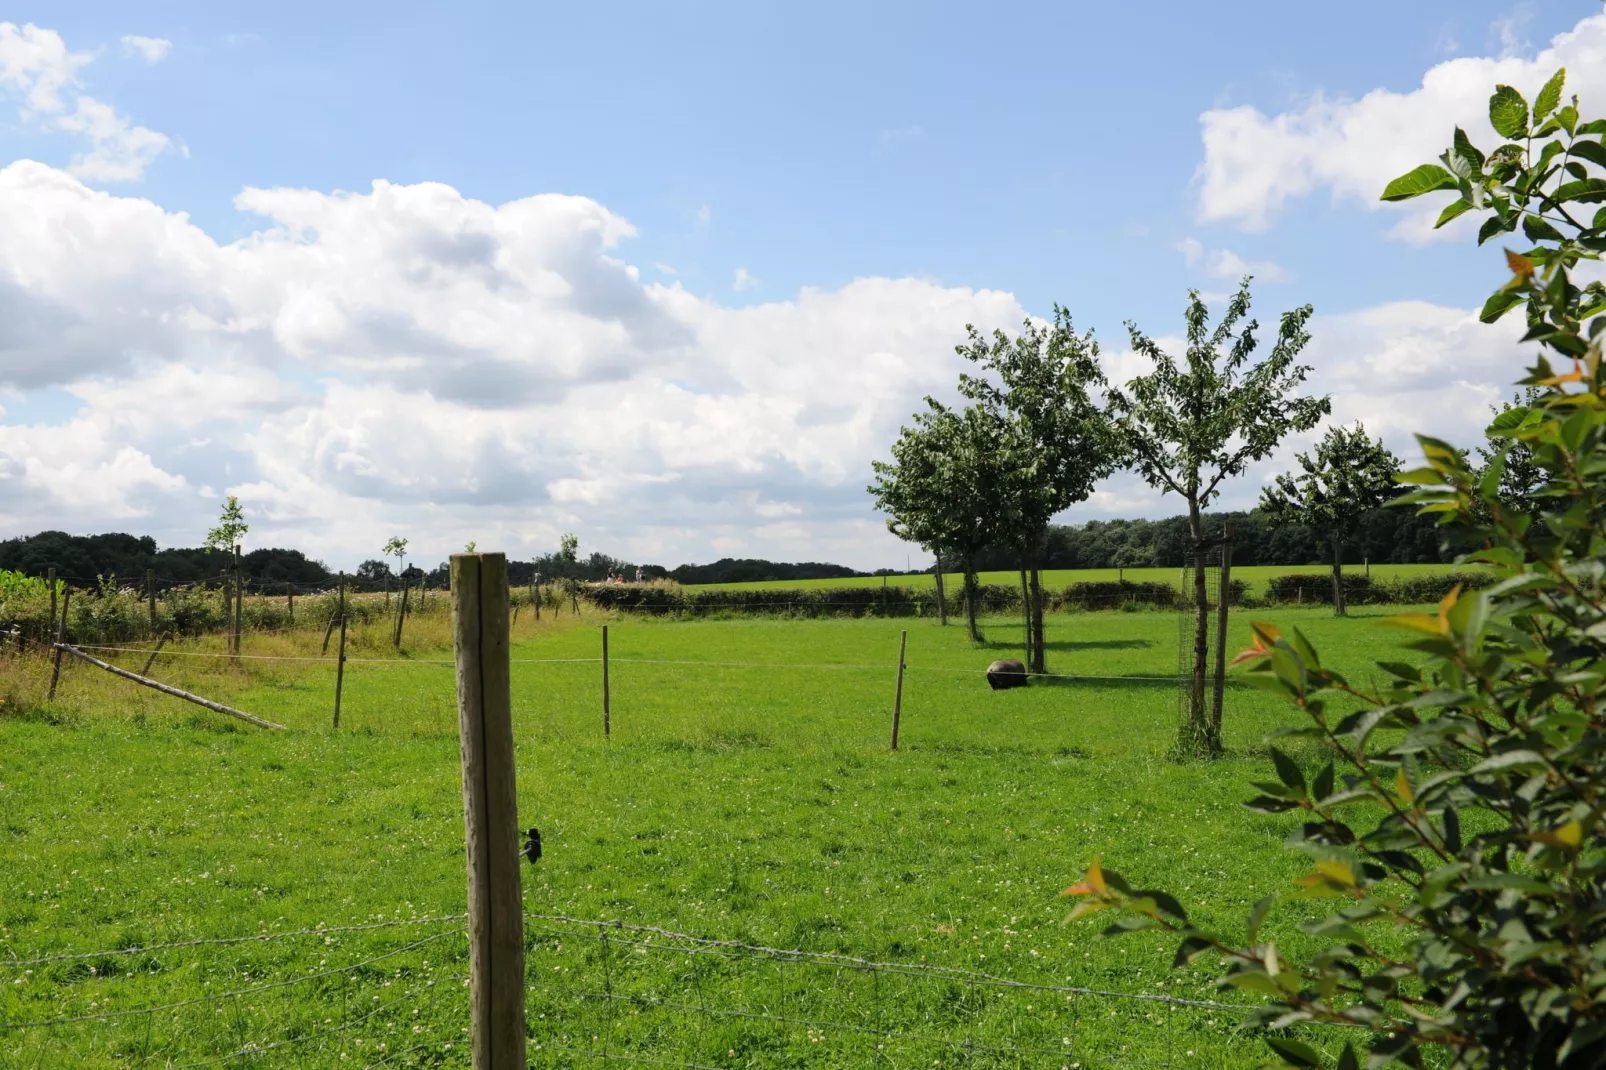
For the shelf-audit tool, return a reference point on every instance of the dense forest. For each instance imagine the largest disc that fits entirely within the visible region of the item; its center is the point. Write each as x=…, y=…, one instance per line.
x=1389, y=536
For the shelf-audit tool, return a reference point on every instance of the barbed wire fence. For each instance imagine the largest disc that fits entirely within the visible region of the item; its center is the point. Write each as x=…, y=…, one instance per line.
x=605, y=991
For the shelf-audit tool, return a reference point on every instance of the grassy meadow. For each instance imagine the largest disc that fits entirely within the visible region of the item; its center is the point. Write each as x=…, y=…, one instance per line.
x=747, y=793
x=1256, y=576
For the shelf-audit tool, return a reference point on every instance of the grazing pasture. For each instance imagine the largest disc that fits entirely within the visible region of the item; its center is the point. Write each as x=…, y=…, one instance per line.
x=747, y=794
x=1256, y=576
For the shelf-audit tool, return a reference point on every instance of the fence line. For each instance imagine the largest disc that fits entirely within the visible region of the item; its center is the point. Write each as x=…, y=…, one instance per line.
x=261, y=937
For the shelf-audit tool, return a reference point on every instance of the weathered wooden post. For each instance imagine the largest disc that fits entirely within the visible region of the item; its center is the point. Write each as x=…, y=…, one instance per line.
x=290, y=603
x=606, y=727
x=340, y=662
x=401, y=608
x=61, y=637
x=490, y=811
x=150, y=594
x=897, y=701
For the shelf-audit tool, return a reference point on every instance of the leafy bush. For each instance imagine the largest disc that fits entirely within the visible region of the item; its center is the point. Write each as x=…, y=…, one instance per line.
x=1460, y=820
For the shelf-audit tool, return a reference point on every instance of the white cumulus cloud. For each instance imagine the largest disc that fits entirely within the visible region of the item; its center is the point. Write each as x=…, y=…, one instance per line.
x=149, y=49
x=410, y=359
x=43, y=76
x=1255, y=163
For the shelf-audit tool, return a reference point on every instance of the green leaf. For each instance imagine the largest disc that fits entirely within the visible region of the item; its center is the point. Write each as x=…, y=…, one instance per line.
x=1499, y=304
x=1568, y=118
x=1425, y=179
x=1451, y=211
x=1508, y=112
x=1296, y=1052
x=1287, y=771
x=1550, y=95
x=1593, y=151
x=1511, y=759
x=1463, y=149
x=1257, y=914
x=1190, y=949
x=1491, y=226
x=1539, y=229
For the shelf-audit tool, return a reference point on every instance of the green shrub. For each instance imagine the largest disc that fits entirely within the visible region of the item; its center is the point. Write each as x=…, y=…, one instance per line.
x=1459, y=822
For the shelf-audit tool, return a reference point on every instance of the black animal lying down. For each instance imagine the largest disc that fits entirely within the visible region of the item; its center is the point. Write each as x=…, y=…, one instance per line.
x=1005, y=674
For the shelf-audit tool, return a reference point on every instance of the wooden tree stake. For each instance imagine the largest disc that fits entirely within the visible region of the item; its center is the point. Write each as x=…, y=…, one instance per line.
x=61, y=637
x=290, y=603
x=150, y=594
x=340, y=669
x=897, y=701
x=146, y=671
x=1224, y=600
x=165, y=689
x=490, y=811
x=606, y=727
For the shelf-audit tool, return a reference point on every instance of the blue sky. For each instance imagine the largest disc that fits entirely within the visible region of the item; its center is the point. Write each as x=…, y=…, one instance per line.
x=1054, y=152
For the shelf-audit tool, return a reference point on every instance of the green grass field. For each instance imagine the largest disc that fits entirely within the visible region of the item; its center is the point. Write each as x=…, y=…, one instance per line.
x=1256, y=576
x=747, y=793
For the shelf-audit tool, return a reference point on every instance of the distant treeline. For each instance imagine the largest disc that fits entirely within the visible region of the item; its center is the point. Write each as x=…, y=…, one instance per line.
x=84, y=558
x=1390, y=536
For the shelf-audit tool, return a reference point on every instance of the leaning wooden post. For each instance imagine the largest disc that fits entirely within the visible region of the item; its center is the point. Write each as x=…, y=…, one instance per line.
x=606, y=727
x=61, y=637
x=897, y=701
x=490, y=812
x=150, y=594
x=340, y=669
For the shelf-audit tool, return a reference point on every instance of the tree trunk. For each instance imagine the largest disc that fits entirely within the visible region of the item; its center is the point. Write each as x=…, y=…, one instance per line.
x=970, y=598
x=1339, y=608
x=1039, y=660
x=942, y=598
x=1197, y=738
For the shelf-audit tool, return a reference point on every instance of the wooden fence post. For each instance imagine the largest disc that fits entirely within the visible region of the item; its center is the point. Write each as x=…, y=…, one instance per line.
x=401, y=608
x=606, y=727
x=897, y=701
x=146, y=671
x=290, y=603
x=150, y=594
x=61, y=637
x=490, y=811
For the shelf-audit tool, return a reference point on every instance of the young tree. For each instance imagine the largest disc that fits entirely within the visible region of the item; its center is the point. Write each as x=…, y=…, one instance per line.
x=940, y=489
x=1057, y=440
x=568, y=549
x=1350, y=476
x=1520, y=477
x=231, y=529
x=1188, y=428
x=1471, y=918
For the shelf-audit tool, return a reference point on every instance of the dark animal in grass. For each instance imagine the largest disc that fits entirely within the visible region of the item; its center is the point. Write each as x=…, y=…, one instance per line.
x=532, y=846
x=1005, y=674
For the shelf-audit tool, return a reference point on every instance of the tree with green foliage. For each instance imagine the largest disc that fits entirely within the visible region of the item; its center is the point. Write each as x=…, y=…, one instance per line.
x=1521, y=479
x=941, y=487
x=1057, y=441
x=1350, y=476
x=569, y=549
x=1189, y=427
x=1471, y=879
x=231, y=528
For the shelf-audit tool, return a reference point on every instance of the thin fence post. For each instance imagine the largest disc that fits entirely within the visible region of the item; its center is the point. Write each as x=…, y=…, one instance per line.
x=150, y=594
x=340, y=663
x=606, y=719
x=61, y=637
x=290, y=603
x=490, y=811
x=146, y=671
x=897, y=701
x=401, y=608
